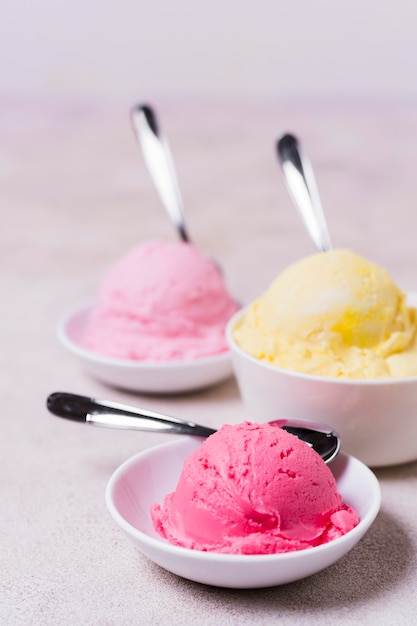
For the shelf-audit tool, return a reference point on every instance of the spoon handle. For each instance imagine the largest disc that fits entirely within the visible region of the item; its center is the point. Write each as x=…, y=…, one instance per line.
x=160, y=165
x=117, y=415
x=301, y=184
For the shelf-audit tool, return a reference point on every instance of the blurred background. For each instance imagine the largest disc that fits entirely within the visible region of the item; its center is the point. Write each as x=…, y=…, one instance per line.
x=237, y=49
x=225, y=78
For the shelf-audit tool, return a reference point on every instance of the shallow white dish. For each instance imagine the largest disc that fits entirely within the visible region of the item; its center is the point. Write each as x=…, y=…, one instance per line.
x=141, y=376
x=376, y=419
x=147, y=477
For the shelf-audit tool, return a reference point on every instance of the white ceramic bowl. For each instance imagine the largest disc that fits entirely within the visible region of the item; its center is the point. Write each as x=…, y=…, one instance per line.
x=147, y=477
x=142, y=376
x=376, y=419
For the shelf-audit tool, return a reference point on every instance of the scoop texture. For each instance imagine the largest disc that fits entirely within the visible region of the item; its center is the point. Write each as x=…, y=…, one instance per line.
x=333, y=314
x=163, y=301
x=253, y=489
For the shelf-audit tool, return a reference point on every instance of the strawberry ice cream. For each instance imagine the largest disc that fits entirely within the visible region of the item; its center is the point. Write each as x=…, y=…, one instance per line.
x=163, y=301
x=253, y=489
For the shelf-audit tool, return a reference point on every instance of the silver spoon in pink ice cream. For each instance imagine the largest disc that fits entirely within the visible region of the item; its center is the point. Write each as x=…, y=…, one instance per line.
x=116, y=415
x=301, y=184
x=160, y=164
x=157, y=156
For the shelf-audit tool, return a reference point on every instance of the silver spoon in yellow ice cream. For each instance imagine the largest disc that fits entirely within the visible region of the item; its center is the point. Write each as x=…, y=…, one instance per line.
x=160, y=164
x=301, y=184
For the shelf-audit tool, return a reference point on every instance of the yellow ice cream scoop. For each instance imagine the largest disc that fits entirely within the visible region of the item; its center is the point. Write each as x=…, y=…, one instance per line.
x=333, y=313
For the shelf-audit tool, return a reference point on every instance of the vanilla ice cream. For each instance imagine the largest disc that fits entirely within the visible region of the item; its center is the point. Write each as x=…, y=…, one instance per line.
x=333, y=314
x=253, y=489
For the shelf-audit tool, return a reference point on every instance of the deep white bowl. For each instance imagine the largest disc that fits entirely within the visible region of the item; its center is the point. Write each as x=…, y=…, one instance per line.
x=376, y=419
x=147, y=477
x=143, y=376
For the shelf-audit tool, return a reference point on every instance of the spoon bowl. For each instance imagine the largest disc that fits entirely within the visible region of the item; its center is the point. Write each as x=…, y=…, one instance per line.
x=147, y=477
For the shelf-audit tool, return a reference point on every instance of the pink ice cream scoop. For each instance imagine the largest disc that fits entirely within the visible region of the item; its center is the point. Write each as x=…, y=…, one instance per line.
x=253, y=489
x=163, y=301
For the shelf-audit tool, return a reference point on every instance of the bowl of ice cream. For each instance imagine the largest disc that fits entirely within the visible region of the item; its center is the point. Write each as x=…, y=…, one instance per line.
x=158, y=322
x=333, y=339
x=263, y=515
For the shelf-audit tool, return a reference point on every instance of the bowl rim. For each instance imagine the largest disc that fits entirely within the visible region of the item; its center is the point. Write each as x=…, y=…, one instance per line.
x=367, y=382
x=159, y=543
x=76, y=348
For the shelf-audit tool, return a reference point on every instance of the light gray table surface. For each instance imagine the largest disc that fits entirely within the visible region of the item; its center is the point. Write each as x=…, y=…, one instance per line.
x=74, y=196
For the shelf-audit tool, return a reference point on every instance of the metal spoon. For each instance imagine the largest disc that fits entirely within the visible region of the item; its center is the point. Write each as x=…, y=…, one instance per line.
x=116, y=415
x=301, y=184
x=160, y=164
